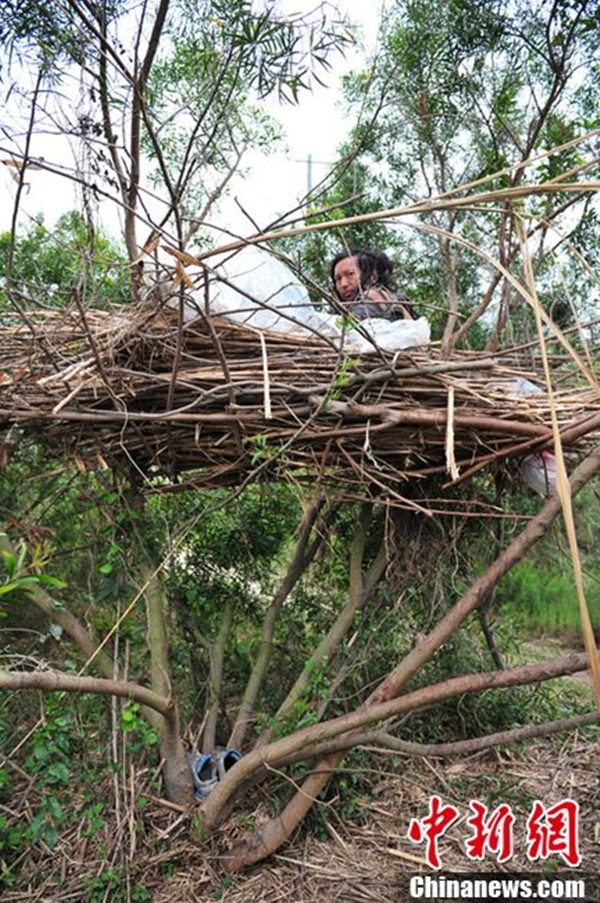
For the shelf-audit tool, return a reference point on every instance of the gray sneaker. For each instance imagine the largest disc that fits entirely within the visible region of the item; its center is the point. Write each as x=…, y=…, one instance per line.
x=204, y=772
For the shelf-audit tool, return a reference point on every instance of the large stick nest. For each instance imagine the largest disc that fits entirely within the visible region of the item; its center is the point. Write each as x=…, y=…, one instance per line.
x=211, y=403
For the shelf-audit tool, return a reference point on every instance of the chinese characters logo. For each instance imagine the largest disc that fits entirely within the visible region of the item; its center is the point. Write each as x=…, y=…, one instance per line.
x=549, y=831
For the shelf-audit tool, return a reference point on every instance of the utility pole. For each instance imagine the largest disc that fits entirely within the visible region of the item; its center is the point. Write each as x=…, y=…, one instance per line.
x=309, y=170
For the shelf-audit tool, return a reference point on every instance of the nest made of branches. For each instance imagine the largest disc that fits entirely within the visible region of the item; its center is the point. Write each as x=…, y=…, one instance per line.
x=211, y=403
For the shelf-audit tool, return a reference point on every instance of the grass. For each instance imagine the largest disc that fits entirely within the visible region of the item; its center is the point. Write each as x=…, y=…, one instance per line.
x=544, y=599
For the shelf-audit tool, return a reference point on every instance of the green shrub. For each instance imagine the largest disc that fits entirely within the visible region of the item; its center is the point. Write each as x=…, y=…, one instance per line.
x=544, y=598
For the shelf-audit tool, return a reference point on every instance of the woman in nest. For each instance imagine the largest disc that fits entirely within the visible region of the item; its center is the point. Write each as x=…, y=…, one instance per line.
x=363, y=282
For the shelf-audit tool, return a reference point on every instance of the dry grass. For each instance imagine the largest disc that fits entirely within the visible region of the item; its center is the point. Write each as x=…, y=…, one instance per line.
x=359, y=861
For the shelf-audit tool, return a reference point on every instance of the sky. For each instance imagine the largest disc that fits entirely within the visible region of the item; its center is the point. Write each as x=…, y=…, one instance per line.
x=271, y=186
x=314, y=128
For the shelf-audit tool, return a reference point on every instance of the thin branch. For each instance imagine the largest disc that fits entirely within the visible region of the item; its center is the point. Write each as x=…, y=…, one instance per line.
x=303, y=556
x=360, y=590
x=215, y=683
x=387, y=741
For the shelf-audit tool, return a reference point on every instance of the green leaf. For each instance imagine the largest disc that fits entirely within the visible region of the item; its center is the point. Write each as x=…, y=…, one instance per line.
x=56, y=773
x=51, y=837
x=19, y=583
x=47, y=580
x=10, y=561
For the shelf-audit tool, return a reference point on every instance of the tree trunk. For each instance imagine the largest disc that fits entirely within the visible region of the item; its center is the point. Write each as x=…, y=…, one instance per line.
x=177, y=774
x=276, y=831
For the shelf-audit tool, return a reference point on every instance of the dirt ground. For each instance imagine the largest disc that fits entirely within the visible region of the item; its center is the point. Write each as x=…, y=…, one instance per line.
x=373, y=861
x=358, y=853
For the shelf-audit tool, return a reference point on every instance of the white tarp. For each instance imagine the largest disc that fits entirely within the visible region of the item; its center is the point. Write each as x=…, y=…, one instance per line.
x=539, y=469
x=256, y=289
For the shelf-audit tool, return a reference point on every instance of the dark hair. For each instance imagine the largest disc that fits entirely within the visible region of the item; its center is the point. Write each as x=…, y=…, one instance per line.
x=375, y=271
x=375, y=268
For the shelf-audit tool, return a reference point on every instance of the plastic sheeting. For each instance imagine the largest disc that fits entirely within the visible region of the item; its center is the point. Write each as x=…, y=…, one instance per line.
x=255, y=289
x=538, y=470
x=539, y=473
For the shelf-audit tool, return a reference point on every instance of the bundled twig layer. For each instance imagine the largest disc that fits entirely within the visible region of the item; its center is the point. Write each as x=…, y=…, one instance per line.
x=214, y=403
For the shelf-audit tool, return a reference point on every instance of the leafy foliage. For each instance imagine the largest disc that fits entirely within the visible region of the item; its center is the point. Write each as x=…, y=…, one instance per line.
x=189, y=97
x=38, y=32
x=468, y=93
x=191, y=587
x=50, y=267
x=539, y=593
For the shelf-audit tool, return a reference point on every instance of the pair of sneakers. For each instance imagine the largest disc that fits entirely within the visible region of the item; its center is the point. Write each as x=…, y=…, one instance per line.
x=209, y=768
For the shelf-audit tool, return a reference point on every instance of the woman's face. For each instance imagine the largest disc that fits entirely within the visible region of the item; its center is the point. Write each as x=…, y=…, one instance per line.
x=346, y=278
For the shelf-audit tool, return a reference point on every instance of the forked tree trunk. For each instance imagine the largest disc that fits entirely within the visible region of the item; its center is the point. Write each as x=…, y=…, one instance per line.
x=272, y=834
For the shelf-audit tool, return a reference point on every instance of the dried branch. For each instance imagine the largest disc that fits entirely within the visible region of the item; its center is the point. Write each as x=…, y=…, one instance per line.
x=170, y=407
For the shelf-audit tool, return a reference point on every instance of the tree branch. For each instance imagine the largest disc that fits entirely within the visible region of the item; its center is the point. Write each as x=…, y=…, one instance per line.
x=302, y=558
x=385, y=740
x=480, y=589
x=51, y=681
x=215, y=682
x=360, y=589
x=259, y=845
x=384, y=702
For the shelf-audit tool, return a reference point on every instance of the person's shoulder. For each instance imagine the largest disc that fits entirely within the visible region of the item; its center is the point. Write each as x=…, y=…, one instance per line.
x=380, y=295
x=393, y=305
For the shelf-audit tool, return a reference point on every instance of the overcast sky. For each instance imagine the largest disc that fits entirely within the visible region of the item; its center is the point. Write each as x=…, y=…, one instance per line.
x=314, y=128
